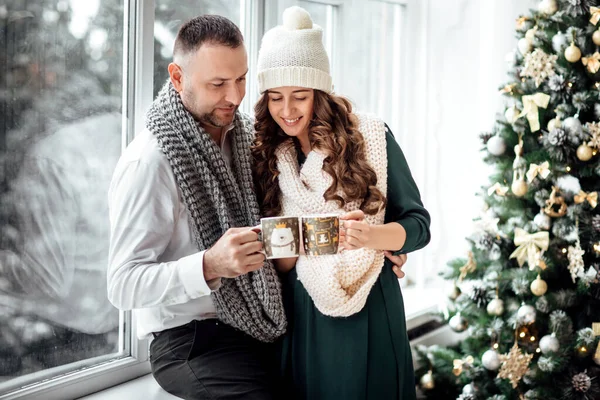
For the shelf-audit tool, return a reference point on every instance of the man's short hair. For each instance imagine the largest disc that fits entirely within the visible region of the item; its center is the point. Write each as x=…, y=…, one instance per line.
x=213, y=29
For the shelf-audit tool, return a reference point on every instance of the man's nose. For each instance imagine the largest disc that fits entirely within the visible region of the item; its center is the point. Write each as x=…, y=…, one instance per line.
x=234, y=95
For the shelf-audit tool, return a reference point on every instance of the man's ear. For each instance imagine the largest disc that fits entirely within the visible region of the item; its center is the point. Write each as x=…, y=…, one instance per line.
x=176, y=75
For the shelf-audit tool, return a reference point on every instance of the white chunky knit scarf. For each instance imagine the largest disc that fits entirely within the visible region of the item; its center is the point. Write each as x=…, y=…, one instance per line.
x=338, y=284
x=218, y=198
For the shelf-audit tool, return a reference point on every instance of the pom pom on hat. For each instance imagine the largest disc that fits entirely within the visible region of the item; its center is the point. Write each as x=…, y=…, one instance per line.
x=295, y=18
x=293, y=54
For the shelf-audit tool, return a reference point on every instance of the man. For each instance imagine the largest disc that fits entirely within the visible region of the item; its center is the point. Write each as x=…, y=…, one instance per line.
x=182, y=253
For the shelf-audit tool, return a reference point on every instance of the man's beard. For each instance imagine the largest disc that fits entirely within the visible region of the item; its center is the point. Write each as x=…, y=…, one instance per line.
x=189, y=102
x=212, y=119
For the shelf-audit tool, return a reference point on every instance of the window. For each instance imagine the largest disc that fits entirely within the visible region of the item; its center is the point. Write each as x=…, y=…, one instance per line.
x=60, y=138
x=324, y=16
x=374, y=37
x=170, y=15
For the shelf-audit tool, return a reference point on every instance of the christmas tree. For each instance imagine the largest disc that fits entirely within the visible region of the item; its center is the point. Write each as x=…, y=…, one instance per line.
x=528, y=292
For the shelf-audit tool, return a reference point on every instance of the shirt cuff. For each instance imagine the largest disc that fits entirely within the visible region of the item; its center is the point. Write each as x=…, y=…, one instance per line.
x=191, y=273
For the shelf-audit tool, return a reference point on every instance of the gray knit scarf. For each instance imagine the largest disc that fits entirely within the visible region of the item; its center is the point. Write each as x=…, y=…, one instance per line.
x=218, y=199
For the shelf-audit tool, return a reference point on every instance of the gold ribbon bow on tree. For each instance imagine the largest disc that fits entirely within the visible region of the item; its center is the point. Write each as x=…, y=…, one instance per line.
x=543, y=170
x=530, y=247
x=595, y=11
x=520, y=23
x=469, y=267
x=592, y=62
x=530, y=108
x=498, y=189
x=591, y=197
x=459, y=365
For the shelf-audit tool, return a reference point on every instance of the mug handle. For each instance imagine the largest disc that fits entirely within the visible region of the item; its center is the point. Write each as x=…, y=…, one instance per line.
x=258, y=230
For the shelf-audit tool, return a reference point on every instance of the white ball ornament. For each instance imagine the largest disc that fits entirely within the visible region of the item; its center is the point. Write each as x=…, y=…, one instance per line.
x=573, y=126
x=495, y=307
x=549, y=344
x=559, y=42
x=530, y=34
x=524, y=45
x=547, y=7
x=542, y=221
x=458, y=323
x=468, y=389
x=491, y=360
x=526, y=314
x=572, y=53
x=496, y=146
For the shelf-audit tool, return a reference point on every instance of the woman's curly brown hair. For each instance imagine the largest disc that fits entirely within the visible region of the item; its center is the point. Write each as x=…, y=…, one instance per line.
x=334, y=131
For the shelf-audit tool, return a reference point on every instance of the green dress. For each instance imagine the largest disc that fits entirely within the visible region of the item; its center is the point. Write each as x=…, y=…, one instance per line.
x=366, y=355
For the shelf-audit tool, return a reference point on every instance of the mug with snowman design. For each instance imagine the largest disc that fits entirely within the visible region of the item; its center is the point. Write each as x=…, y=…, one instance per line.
x=280, y=237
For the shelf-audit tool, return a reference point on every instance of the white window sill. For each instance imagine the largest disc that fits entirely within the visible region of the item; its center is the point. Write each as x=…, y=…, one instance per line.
x=144, y=387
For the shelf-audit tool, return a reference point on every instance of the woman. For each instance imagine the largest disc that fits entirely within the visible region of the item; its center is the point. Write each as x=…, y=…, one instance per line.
x=347, y=334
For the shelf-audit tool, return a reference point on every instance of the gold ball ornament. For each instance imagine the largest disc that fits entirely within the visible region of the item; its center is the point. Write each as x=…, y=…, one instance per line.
x=519, y=187
x=572, y=53
x=458, y=323
x=530, y=34
x=539, y=286
x=454, y=292
x=427, y=381
x=584, y=152
x=596, y=37
x=524, y=45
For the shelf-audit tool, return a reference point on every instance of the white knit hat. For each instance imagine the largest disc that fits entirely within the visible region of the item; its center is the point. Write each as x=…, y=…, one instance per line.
x=293, y=54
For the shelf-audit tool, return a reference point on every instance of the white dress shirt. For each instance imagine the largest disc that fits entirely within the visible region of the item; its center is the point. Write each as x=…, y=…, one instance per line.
x=154, y=266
